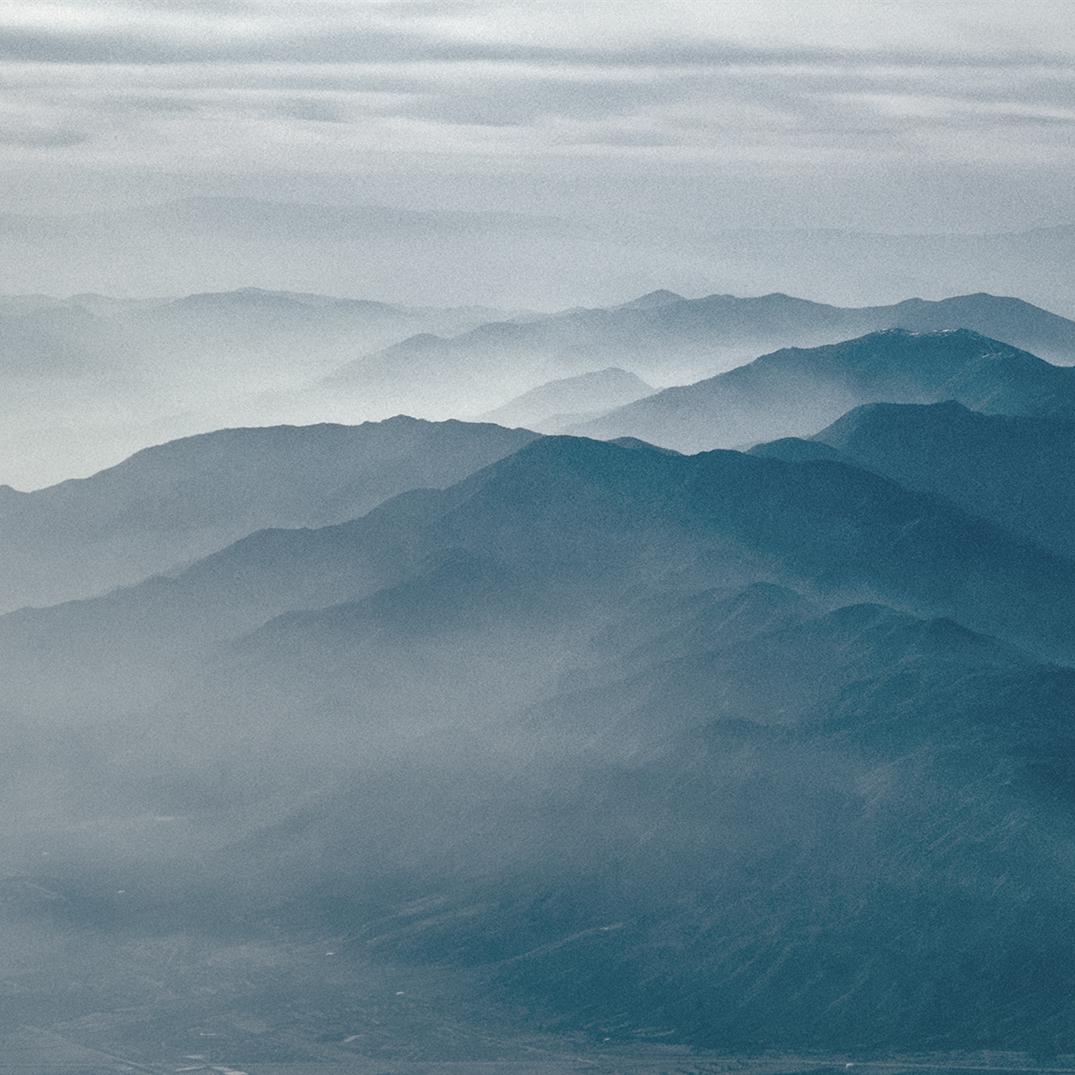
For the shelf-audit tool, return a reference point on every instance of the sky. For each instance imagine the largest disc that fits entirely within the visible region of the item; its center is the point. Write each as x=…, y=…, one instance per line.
x=879, y=115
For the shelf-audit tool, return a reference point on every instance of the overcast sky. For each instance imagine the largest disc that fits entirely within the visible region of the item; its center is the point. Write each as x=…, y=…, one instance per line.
x=894, y=115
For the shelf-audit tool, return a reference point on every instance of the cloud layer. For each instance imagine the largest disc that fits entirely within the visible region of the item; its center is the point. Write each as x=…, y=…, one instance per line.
x=248, y=89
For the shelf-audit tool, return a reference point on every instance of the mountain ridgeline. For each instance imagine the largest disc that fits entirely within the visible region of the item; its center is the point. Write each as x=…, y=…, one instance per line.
x=88, y=379
x=179, y=501
x=1015, y=470
x=560, y=403
x=795, y=391
x=417, y=742
x=663, y=338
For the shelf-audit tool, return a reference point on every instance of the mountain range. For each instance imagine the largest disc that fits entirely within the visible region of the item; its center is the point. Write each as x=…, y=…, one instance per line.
x=795, y=391
x=180, y=501
x=300, y=333
x=220, y=243
x=557, y=524
x=722, y=748
x=95, y=378
x=413, y=742
x=666, y=338
x=552, y=406
x=1014, y=470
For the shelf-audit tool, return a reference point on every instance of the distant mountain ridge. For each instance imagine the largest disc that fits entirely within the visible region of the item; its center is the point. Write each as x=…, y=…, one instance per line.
x=181, y=500
x=112, y=374
x=222, y=242
x=796, y=391
x=552, y=406
x=715, y=750
x=88, y=379
x=663, y=336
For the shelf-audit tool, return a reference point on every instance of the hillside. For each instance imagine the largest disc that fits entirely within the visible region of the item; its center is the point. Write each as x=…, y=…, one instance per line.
x=549, y=407
x=796, y=391
x=650, y=747
x=670, y=339
x=182, y=500
x=1013, y=470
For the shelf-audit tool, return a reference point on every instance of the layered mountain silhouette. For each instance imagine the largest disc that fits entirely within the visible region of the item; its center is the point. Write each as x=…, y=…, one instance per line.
x=550, y=407
x=666, y=338
x=94, y=378
x=576, y=521
x=282, y=326
x=181, y=500
x=88, y=379
x=624, y=749
x=723, y=749
x=95, y=333
x=796, y=391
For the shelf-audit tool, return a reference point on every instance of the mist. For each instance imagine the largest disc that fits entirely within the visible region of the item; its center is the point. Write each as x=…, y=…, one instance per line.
x=536, y=539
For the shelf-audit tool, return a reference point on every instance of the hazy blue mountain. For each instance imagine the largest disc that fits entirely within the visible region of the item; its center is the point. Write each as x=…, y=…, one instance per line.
x=836, y=832
x=181, y=500
x=1011, y=320
x=59, y=340
x=88, y=379
x=671, y=625
x=503, y=259
x=577, y=522
x=309, y=332
x=220, y=243
x=867, y=268
x=817, y=828
x=289, y=327
x=803, y=450
x=722, y=750
x=550, y=407
x=794, y=668
x=583, y=520
x=798, y=390
x=666, y=338
x=653, y=299
x=1016, y=471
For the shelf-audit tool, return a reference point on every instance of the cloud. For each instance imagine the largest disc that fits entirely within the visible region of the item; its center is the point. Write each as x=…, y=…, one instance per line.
x=249, y=86
x=312, y=111
x=680, y=33
x=41, y=138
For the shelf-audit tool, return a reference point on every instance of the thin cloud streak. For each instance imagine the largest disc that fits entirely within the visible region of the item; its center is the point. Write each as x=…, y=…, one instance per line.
x=250, y=88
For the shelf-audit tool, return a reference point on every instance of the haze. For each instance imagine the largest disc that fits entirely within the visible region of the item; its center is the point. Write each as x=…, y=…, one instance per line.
x=537, y=537
x=897, y=117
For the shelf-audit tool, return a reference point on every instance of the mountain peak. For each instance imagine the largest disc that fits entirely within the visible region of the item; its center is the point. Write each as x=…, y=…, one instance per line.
x=652, y=299
x=550, y=406
x=795, y=391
